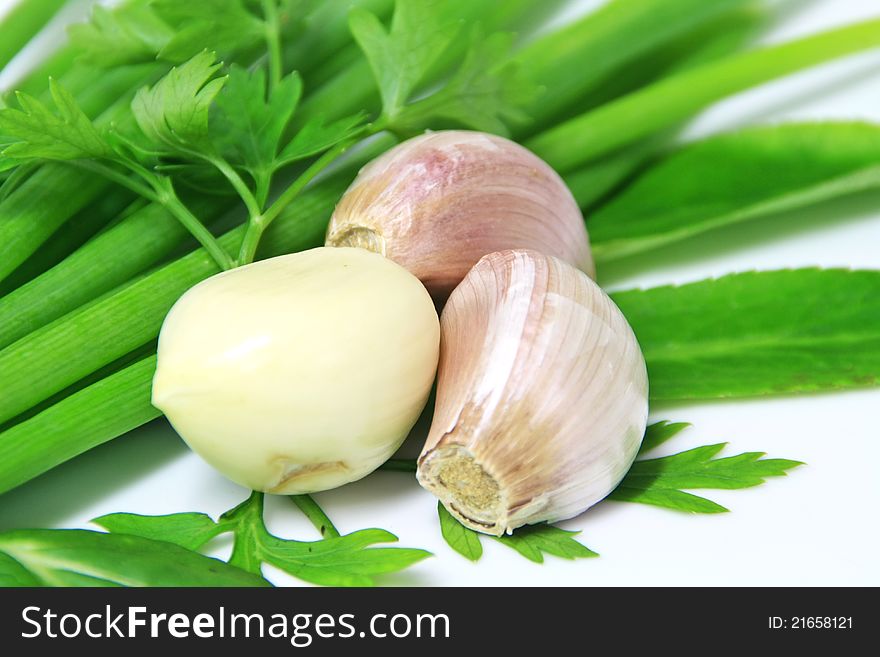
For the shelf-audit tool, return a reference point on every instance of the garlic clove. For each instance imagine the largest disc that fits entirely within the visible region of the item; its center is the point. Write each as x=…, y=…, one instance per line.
x=299, y=373
x=542, y=395
x=437, y=203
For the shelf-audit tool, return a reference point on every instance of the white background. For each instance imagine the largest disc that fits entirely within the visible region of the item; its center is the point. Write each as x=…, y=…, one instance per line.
x=817, y=526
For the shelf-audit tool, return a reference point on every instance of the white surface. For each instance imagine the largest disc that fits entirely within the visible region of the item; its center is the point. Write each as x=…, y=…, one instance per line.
x=818, y=526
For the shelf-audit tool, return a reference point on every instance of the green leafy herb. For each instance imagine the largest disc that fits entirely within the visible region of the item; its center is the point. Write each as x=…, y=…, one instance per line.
x=485, y=93
x=401, y=57
x=484, y=90
x=188, y=530
x=317, y=136
x=461, y=539
x=658, y=433
x=127, y=34
x=248, y=122
x=174, y=111
x=181, y=117
x=536, y=540
x=758, y=333
x=348, y=560
x=72, y=557
x=41, y=134
x=736, y=177
x=227, y=23
x=660, y=481
x=532, y=542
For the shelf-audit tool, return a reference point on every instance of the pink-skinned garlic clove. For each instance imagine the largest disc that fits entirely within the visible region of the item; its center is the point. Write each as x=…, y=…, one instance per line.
x=437, y=203
x=542, y=395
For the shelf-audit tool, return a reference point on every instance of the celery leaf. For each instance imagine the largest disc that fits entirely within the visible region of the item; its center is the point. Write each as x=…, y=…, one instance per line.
x=658, y=433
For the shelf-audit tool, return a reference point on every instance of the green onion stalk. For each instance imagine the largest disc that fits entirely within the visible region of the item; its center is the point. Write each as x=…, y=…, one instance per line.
x=21, y=23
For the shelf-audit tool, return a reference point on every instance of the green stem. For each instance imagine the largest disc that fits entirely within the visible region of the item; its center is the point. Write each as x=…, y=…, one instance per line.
x=117, y=177
x=238, y=184
x=273, y=42
x=316, y=515
x=198, y=230
x=258, y=223
x=307, y=176
x=248, y=527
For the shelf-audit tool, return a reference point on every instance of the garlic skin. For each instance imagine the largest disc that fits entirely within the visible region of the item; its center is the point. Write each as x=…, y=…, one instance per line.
x=437, y=203
x=542, y=395
x=299, y=373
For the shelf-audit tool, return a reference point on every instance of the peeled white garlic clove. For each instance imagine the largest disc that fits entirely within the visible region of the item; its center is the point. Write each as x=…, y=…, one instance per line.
x=542, y=395
x=299, y=373
x=438, y=203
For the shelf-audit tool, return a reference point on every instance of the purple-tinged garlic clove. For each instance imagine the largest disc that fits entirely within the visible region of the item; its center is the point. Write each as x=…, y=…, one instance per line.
x=437, y=203
x=542, y=395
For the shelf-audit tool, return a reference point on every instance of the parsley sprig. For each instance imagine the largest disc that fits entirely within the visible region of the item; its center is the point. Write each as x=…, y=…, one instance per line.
x=203, y=119
x=335, y=560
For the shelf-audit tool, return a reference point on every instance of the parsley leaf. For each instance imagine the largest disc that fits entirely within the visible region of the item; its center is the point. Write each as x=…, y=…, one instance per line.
x=758, y=333
x=317, y=136
x=463, y=540
x=188, y=530
x=534, y=541
x=401, y=57
x=174, y=112
x=486, y=91
x=66, y=135
x=247, y=122
x=127, y=34
x=349, y=560
x=224, y=24
x=660, y=481
x=658, y=433
x=74, y=557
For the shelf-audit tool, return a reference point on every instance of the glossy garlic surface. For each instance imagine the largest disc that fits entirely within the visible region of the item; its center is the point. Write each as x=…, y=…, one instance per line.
x=299, y=373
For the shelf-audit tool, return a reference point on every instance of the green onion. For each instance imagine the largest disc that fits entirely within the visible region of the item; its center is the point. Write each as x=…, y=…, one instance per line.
x=75, y=233
x=22, y=23
x=673, y=99
x=114, y=257
x=579, y=56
